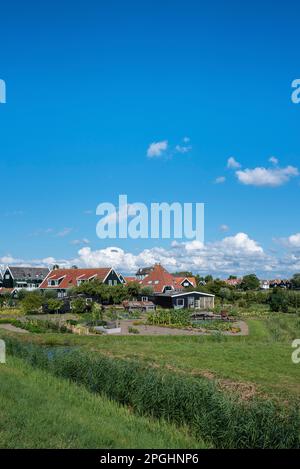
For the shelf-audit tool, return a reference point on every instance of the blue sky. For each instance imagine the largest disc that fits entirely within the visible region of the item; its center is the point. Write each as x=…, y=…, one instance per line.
x=90, y=85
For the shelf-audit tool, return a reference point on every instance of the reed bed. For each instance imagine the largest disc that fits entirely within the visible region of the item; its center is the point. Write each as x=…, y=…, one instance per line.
x=215, y=416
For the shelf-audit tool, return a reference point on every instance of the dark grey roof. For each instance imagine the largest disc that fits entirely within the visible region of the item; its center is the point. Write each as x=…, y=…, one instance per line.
x=181, y=293
x=26, y=273
x=144, y=270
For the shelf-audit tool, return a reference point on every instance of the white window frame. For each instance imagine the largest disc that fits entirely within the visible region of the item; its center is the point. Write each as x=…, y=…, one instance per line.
x=179, y=299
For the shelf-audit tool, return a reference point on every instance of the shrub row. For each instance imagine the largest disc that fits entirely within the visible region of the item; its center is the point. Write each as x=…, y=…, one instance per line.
x=222, y=420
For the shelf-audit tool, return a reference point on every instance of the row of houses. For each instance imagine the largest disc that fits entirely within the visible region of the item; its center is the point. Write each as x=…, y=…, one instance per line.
x=264, y=284
x=164, y=288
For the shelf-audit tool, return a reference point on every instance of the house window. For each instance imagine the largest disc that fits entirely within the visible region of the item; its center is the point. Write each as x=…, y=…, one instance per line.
x=144, y=298
x=149, y=282
x=110, y=282
x=115, y=282
x=180, y=302
x=7, y=276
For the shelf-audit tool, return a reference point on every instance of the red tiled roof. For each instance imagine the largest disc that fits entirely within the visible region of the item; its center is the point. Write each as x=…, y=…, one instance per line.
x=180, y=280
x=160, y=278
x=131, y=279
x=6, y=290
x=70, y=276
x=233, y=281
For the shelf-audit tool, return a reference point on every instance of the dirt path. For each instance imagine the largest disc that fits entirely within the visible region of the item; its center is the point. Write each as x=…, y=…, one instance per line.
x=11, y=328
x=157, y=330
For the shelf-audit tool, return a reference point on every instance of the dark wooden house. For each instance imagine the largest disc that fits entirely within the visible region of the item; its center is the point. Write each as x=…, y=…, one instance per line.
x=184, y=300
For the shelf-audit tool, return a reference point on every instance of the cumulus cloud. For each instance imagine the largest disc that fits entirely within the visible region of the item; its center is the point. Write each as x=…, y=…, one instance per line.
x=292, y=241
x=268, y=177
x=232, y=163
x=157, y=149
x=237, y=253
x=220, y=180
x=242, y=243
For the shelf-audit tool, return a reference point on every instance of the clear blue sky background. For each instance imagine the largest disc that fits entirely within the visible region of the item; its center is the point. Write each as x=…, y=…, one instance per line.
x=90, y=84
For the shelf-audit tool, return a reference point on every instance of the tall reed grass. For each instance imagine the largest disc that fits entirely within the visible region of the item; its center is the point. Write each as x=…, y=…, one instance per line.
x=217, y=417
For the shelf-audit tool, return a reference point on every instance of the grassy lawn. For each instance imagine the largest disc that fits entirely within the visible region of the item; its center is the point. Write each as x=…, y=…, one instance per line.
x=263, y=359
x=38, y=410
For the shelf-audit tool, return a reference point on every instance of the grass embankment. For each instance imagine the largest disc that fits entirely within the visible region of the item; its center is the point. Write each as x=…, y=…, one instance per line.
x=38, y=410
x=262, y=359
x=216, y=416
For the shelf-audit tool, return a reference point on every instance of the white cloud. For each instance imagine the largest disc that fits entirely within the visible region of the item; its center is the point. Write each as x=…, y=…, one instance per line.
x=242, y=243
x=157, y=149
x=268, y=177
x=237, y=253
x=274, y=160
x=224, y=228
x=64, y=232
x=75, y=242
x=232, y=163
x=220, y=180
x=186, y=139
x=183, y=148
x=292, y=241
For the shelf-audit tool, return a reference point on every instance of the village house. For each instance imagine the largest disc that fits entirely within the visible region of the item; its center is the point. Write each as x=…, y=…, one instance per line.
x=280, y=283
x=184, y=300
x=22, y=278
x=160, y=280
x=233, y=282
x=61, y=280
x=143, y=272
x=170, y=291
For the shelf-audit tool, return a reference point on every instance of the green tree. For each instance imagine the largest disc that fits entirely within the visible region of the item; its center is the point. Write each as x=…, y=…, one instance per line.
x=146, y=291
x=295, y=281
x=78, y=305
x=208, y=278
x=54, y=305
x=250, y=282
x=279, y=301
x=32, y=302
x=225, y=294
x=118, y=293
x=133, y=289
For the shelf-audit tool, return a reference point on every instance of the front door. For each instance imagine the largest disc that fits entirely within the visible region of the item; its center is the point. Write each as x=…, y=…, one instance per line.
x=191, y=302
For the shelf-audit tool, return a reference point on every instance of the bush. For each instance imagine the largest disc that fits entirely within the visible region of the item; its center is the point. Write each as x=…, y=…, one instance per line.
x=279, y=301
x=133, y=330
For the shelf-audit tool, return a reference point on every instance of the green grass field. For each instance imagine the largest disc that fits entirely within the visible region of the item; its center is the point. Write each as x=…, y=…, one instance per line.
x=38, y=410
x=263, y=359
x=258, y=365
